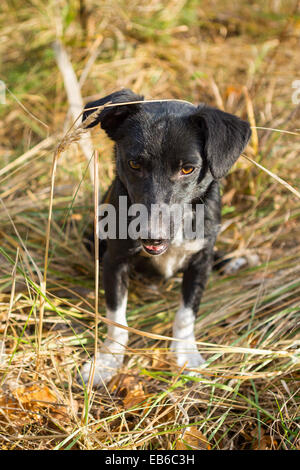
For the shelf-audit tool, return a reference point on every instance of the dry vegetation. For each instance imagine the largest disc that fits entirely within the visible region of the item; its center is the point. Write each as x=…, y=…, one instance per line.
x=239, y=55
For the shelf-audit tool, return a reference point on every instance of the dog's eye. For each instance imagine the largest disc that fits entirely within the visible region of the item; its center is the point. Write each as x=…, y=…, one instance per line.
x=187, y=170
x=134, y=165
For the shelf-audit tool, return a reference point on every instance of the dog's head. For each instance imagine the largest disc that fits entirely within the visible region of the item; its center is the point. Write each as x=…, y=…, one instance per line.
x=170, y=152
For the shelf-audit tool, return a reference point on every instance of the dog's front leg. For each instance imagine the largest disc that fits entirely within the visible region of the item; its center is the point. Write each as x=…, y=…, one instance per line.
x=193, y=284
x=111, y=356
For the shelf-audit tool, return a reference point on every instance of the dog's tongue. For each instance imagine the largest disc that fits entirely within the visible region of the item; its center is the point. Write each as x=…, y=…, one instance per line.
x=154, y=247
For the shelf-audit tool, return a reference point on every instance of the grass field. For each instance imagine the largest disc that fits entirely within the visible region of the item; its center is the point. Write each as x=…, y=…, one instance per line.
x=241, y=56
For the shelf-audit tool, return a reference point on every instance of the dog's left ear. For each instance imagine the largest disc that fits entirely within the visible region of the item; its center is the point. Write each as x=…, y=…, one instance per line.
x=225, y=137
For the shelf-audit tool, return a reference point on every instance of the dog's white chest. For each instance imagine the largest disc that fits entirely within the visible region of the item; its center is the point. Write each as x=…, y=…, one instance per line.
x=176, y=256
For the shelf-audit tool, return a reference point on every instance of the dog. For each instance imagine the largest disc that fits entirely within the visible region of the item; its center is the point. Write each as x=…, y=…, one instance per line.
x=167, y=153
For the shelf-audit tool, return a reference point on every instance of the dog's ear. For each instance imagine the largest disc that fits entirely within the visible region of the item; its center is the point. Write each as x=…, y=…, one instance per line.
x=225, y=137
x=112, y=117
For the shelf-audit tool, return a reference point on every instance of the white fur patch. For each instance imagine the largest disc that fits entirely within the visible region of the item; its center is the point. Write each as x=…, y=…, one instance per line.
x=185, y=351
x=176, y=256
x=111, y=356
x=235, y=265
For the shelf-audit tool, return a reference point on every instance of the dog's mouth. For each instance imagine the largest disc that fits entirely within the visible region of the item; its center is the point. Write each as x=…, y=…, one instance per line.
x=155, y=247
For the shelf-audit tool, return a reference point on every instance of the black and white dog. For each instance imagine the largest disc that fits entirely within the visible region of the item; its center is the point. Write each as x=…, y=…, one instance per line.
x=166, y=153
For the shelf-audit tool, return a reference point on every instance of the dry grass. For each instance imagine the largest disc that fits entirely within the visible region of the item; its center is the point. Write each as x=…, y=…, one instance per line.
x=240, y=56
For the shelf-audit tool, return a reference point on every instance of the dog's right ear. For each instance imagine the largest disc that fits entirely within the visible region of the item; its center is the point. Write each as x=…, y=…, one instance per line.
x=112, y=117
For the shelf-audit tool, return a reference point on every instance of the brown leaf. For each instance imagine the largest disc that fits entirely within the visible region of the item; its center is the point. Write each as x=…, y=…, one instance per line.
x=265, y=442
x=27, y=404
x=35, y=396
x=192, y=438
x=134, y=396
x=130, y=388
x=11, y=409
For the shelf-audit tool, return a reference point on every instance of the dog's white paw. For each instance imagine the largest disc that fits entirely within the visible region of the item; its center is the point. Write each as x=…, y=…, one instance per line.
x=106, y=366
x=187, y=354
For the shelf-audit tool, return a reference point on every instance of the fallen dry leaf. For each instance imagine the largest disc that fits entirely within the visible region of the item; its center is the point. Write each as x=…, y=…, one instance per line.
x=130, y=388
x=265, y=442
x=134, y=396
x=34, y=395
x=26, y=404
x=192, y=438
